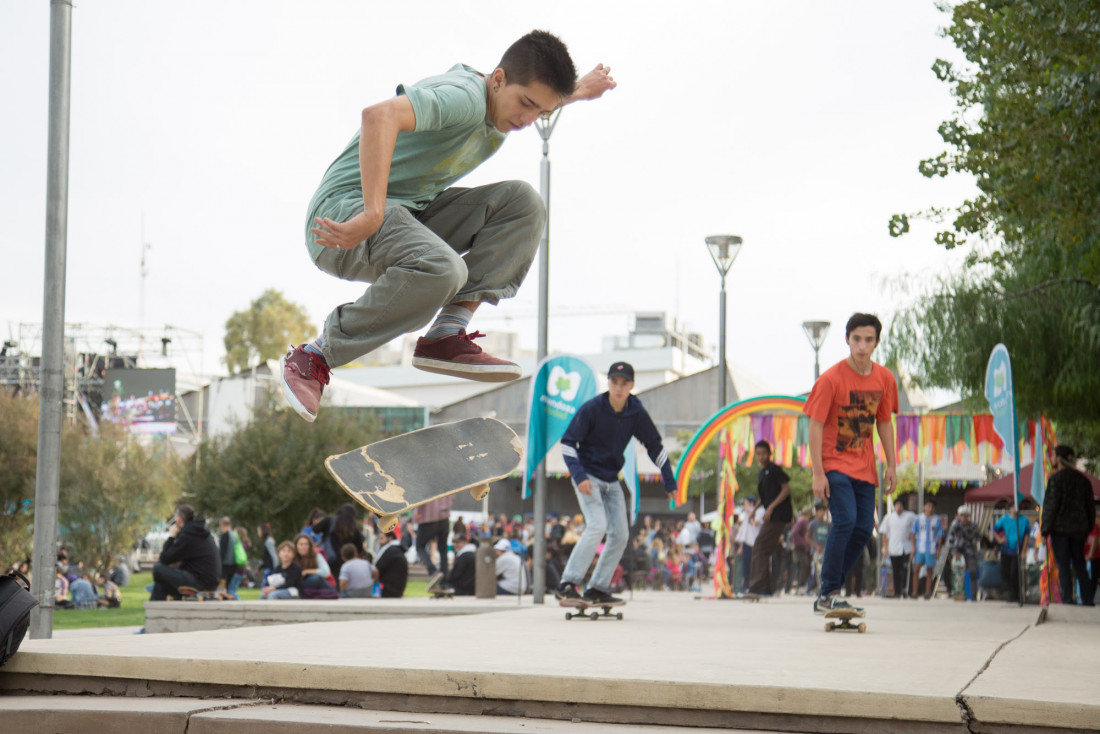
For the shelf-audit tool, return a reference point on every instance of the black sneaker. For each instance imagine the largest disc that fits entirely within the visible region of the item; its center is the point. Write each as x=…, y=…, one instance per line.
x=833, y=602
x=596, y=597
x=567, y=592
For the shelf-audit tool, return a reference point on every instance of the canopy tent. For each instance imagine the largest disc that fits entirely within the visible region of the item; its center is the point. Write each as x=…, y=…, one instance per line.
x=1001, y=489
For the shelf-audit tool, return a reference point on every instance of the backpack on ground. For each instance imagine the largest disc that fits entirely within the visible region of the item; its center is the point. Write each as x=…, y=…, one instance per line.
x=16, y=603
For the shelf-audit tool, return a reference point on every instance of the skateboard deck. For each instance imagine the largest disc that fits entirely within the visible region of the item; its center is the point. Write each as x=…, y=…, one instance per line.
x=845, y=616
x=582, y=608
x=392, y=476
x=190, y=593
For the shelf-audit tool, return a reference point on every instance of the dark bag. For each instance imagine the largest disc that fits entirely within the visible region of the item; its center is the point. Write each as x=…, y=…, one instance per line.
x=325, y=592
x=16, y=603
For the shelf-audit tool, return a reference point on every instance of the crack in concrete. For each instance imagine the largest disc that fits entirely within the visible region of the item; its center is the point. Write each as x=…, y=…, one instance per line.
x=228, y=705
x=960, y=697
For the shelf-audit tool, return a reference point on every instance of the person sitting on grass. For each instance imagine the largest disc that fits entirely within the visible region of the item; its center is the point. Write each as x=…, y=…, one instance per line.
x=356, y=574
x=83, y=592
x=285, y=582
x=110, y=597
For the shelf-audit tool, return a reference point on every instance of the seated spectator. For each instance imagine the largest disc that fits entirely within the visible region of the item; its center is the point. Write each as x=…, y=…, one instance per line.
x=120, y=575
x=83, y=593
x=356, y=574
x=110, y=595
x=189, y=557
x=315, y=570
x=674, y=565
x=392, y=567
x=285, y=581
x=463, y=575
x=511, y=575
x=61, y=591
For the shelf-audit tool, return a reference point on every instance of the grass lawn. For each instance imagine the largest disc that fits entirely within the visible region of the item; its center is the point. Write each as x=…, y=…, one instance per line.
x=132, y=611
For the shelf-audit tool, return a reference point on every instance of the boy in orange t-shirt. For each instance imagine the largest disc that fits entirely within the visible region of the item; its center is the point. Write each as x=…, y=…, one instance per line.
x=845, y=406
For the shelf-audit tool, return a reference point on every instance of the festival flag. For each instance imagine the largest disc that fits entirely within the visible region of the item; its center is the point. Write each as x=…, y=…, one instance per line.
x=1002, y=404
x=1038, y=467
x=561, y=384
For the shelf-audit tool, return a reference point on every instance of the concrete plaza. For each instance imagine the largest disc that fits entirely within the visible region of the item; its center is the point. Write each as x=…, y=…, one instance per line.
x=673, y=662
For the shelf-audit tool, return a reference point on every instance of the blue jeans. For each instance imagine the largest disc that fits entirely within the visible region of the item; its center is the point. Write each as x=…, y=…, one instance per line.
x=604, y=512
x=852, y=506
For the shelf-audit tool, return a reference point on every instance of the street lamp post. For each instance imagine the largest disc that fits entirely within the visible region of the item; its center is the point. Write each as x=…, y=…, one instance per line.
x=815, y=332
x=723, y=249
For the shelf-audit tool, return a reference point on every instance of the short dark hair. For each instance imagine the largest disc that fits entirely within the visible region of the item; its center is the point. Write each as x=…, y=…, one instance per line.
x=762, y=444
x=1064, y=452
x=863, y=319
x=187, y=512
x=348, y=551
x=540, y=56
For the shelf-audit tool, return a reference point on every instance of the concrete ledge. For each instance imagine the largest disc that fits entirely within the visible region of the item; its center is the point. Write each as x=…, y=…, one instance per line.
x=80, y=714
x=191, y=616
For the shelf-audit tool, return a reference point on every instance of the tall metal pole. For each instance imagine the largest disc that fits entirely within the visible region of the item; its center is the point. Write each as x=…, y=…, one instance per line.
x=52, y=377
x=545, y=126
x=722, y=345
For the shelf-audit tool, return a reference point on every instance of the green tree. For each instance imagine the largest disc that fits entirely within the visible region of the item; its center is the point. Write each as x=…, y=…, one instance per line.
x=113, y=489
x=264, y=330
x=1027, y=128
x=18, y=457
x=271, y=469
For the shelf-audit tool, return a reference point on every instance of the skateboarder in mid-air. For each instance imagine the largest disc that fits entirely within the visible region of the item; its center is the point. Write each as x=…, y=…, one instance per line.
x=593, y=447
x=846, y=404
x=386, y=213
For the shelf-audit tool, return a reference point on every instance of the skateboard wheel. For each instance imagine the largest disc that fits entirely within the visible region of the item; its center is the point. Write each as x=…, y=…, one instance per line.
x=618, y=615
x=829, y=626
x=387, y=524
x=479, y=492
x=568, y=615
x=594, y=616
x=862, y=627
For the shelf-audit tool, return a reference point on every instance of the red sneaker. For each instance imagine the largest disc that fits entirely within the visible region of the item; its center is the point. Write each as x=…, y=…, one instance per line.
x=305, y=375
x=458, y=356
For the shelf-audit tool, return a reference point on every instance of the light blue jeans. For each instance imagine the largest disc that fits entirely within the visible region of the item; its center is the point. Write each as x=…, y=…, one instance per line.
x=604, y=513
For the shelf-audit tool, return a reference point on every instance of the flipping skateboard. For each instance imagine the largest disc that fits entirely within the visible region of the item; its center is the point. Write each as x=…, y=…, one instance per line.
x=397, y=474
x=582, y=608
x=845, y=616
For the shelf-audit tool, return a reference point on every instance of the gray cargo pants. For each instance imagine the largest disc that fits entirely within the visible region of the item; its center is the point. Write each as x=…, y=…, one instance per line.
x=470, y=244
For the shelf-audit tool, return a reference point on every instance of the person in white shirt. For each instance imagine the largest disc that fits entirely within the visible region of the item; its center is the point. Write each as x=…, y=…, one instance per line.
x=746, y=538
x=511, y=575
x=896, y=530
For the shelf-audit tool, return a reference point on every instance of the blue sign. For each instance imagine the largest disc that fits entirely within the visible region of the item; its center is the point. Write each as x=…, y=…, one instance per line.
x=1002, y=404
x=561, y=384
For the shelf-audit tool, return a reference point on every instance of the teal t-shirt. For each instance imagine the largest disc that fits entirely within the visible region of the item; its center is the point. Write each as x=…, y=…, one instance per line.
x=453, y=136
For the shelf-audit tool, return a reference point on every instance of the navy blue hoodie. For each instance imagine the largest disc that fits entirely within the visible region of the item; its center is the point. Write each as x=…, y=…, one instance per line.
x=597, y=436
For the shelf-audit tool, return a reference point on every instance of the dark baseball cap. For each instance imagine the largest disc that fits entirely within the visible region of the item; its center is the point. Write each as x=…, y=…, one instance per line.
x=621, y=369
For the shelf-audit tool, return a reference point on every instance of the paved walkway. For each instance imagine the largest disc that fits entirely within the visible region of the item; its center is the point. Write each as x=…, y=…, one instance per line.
x=922, y=665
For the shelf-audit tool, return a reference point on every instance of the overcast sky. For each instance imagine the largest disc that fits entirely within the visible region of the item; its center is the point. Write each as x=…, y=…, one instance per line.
x=797, y=125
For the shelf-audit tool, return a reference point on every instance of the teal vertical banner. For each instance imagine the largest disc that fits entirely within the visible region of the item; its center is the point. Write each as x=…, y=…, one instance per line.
x=562, y=383
x=630, y=478
x=1002, y=404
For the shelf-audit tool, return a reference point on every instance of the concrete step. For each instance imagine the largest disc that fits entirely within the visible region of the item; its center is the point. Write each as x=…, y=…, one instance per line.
x=129, y=715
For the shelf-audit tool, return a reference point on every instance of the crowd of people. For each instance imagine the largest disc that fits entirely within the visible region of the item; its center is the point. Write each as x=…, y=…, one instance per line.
x=76, y=587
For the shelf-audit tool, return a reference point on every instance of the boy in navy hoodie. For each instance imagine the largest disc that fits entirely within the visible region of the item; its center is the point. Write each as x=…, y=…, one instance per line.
x=593, y=448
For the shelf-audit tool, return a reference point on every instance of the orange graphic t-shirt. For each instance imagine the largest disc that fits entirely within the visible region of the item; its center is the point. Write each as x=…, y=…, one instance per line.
x=849, y=405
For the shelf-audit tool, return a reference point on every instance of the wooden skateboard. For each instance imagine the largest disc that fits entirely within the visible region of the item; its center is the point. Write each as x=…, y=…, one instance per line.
x=190, y=593
x=397, y=474
x=583, y=606
x=845, y=616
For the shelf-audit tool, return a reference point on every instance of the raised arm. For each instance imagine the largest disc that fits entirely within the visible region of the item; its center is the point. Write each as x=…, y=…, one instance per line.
x=593, y=84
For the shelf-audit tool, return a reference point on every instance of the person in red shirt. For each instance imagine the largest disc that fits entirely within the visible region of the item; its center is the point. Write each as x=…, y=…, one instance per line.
x=847, y=403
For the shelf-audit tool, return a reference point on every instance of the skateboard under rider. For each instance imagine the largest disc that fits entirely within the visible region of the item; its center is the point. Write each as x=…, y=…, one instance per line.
x=582, y=606
x=392, y=476
x=845, y=616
